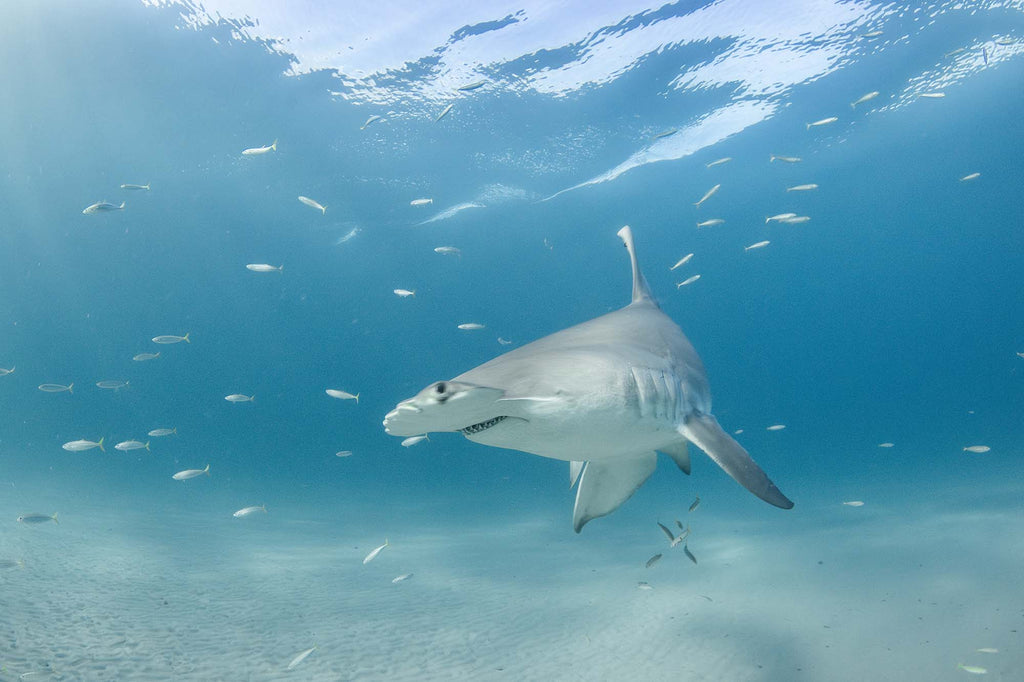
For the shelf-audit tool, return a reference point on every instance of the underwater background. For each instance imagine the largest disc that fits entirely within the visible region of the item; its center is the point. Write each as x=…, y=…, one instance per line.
x=894, y=315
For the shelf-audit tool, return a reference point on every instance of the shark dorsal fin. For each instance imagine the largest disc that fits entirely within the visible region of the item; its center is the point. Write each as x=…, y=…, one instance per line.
x=641, y=292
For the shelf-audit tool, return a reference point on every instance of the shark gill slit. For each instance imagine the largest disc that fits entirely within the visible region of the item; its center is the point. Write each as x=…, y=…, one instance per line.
x=482, y=426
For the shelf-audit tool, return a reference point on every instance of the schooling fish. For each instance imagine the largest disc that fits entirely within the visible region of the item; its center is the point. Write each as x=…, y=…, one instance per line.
x=471, y=86
x=682, y=261
x=447, y=251
x=112, y=385
x=444, y=113
x=239, y=398
x=718, y=162
x=405, y=293
x=82, y=445
x=373, y=555
x=372, y=119
x=170, y=338
x=38, y=518
x=299, y=658
x=401, y=578
x=158, y=433
x=972, y=176
x=421, y=202
x=102, y=207
x=758, y=245
x=864, y=98
x=413, y=440
x=191, y=473
x=5, y=372
x=127, y=445
x=779, y=218
x=242, y=513
x=264, y=267
x=688, y=280
x=653, y=560
x=710, y=223
x=707, y=195
x=256, y=151
x=471, y=326
x=56, y=388
x=665, y=133
x=689, y=554
x=795, y=220
x=130, y=186
x=342, y=395
x=802, y=188
x=314, y=204
x=823, y=122
x=787, y=159
x=696, y=503
x=142, y=357
x=977, y=449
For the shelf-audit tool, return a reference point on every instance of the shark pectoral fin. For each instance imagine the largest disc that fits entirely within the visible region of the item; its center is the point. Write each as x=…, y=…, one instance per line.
x=679, y=454
x=575, y=469
x=605, y=485
x=704, y=432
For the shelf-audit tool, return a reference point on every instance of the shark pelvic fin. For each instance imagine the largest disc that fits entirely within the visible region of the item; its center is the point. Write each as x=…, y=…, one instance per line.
x=605, y=485
x=679, y=454
x=575, y=469
x=704, y=432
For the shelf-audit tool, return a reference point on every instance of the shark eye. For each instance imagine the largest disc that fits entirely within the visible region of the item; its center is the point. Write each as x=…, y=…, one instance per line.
x=441, y=388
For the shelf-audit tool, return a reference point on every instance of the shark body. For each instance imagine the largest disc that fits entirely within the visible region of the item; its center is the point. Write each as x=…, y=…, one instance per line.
x=605, y=395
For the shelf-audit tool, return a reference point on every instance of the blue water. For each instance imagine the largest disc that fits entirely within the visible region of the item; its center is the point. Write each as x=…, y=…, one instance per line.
x=896, y=314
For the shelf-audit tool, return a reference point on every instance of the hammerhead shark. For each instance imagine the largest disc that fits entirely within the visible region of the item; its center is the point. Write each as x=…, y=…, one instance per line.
x=606, y=395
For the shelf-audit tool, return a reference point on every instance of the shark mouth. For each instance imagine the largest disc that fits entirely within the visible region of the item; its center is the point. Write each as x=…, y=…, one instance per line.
x=482, y=426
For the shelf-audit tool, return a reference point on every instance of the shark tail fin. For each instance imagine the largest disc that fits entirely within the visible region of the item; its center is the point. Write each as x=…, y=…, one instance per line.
x=605, y=485
x=704, y=432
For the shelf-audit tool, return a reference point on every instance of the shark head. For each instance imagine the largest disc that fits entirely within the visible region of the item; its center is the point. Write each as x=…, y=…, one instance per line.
x=447, y=406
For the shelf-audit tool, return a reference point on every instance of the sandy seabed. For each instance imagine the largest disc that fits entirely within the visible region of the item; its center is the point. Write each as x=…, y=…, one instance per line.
x=879, y=592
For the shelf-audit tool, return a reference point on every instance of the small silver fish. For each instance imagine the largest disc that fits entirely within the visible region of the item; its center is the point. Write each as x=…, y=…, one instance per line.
x=401, y=578
x=932, y=95
x=413, y=440
x=348, y=235
x=256, y=151
x=112, y=384
x=130, y=186
x=1004, y=40
x=977, y=449
x=854, y=503
x=779, y=217
x=373, y=119
x=299, y=658
x=127, y=445
x=38, y=518
x=696, y=503
x=264, y=267
x=142, y=357
x=171, y=338
x=5, y=372
x=82, y=445
x=447, y=251
x=504, y=342
x=56, y=388
x=653, y=560
x=710, y=223
x=872, y=34
x=689, y=554
x=972, y=669
x=758, y=245
x=796, y=220
x=688, y=280
x=886, y=445
x=682, y=261
x=471, y=86
x=405, y=293
x=102, y=207
x=707, y=195
x=823, y=122
x=239, y=398
x=314, y=204
x=987, y=650
x=787, y=159
x=421, y=202
x=343, y=453
x=342, y=395
x=665, y=133
x=718, y=162
x=972, y=176
x=246, y=511
x=444, y=113
x=191, y=473
x=864, y=98
x=373, y=555
x=776, y=427
x=802, y=188
x=159, y=433
x=471, y=326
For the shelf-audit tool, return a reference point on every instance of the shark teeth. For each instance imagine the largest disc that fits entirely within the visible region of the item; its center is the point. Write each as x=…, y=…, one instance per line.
x=482, y=426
